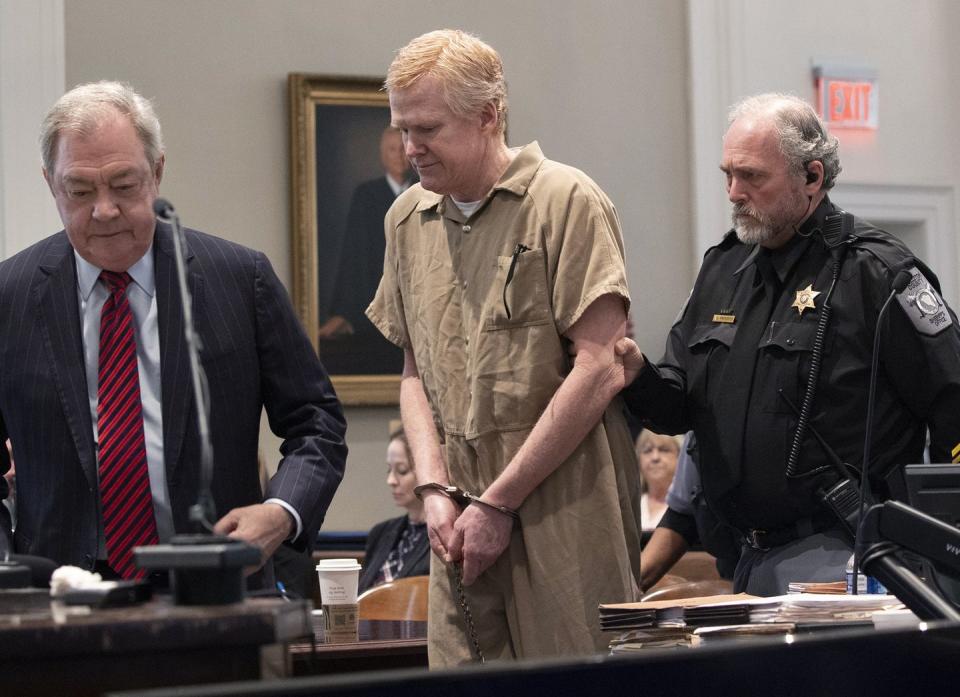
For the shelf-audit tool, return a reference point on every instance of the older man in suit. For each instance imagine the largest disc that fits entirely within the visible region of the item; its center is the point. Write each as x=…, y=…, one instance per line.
x=95, y=389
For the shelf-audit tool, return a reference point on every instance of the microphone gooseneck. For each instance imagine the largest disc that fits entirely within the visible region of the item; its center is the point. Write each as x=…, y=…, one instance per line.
x=203, y=513
x=205, y=569
x=900, y=282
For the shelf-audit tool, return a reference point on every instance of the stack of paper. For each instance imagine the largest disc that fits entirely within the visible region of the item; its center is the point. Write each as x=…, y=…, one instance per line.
x=690, y=621
x=643, y=615
x=613, y=618
x=654, y=638
x=702, y=635
x=827, y=587
x=805, y=607
x=724, y=613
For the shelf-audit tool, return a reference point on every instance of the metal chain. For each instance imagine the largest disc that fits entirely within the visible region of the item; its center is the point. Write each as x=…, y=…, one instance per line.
x=467, y=615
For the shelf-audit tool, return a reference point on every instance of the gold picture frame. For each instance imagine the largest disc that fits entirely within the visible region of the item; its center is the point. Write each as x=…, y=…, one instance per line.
x=335, y=129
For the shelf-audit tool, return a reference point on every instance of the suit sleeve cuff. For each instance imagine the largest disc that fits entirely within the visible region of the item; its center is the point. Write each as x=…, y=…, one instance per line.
x=293, y=512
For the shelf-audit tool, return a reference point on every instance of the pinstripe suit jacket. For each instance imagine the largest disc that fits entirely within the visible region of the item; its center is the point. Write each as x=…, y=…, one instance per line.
x=255, y=354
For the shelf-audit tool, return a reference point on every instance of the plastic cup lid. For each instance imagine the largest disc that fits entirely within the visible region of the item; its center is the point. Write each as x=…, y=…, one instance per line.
x=338, y=565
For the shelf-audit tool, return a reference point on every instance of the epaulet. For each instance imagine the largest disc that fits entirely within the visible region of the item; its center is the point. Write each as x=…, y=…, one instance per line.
x=883, y=246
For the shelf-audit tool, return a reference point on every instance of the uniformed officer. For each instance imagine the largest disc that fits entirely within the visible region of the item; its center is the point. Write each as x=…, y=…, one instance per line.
x=496, y=262
x=770, y=361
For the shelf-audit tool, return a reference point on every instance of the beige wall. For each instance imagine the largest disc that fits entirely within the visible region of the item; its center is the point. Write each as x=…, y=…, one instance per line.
x=903, y=176
x=913, y=47
x=31, y=78
x=601, y=85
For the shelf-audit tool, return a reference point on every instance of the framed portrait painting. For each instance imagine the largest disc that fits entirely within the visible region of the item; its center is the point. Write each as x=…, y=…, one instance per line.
x=347, y=166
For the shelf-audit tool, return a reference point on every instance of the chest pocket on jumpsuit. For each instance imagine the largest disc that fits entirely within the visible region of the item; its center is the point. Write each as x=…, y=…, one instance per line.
x=515, y=363
x=518, y=296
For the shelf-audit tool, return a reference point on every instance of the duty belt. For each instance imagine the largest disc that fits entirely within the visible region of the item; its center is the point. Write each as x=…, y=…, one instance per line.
x=763, y=540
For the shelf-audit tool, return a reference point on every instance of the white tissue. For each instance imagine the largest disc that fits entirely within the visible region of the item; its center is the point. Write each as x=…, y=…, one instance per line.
x=68, y=578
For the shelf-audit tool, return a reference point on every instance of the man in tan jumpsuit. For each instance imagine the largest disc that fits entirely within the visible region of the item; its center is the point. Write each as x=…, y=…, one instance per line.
x=499, y=265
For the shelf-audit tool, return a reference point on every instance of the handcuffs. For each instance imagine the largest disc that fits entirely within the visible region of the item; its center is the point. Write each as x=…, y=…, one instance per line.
x=463, y=498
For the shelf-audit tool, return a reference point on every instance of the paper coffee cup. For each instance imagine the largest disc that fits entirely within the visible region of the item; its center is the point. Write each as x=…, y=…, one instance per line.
x=338, y=581
x=338, y=595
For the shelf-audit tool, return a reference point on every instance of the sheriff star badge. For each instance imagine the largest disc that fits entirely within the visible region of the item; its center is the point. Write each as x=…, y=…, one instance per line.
x=804, y=299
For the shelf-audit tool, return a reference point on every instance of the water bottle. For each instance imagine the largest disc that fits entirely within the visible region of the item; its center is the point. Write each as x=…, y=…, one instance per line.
x=865, y=584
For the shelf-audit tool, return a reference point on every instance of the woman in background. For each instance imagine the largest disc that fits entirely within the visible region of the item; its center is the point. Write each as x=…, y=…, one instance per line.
x=398, y=547
x=657, y=456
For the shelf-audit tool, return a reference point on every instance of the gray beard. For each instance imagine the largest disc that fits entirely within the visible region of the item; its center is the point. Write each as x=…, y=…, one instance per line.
x=752, y=230
x=757, y=228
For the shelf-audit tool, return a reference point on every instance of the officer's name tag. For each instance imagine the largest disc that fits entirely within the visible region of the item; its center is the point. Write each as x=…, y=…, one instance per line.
x=923, y=305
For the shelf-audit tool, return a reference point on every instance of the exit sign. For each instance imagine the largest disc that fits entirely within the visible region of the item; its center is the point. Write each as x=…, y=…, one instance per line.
x=847, y=97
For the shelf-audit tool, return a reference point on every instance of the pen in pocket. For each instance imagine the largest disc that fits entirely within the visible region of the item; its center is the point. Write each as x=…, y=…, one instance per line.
x=517, y=251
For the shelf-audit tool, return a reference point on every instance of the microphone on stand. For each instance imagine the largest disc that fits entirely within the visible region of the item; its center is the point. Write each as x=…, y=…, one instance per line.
x=205, y=569
x=899, y=284
x=203, y=512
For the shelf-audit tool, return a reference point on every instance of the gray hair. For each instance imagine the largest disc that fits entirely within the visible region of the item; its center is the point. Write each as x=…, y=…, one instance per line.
x=87, y=106
x=803, y=136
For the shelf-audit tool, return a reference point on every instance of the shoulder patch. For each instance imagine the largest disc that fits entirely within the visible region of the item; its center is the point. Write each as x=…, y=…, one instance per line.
x=923, y=305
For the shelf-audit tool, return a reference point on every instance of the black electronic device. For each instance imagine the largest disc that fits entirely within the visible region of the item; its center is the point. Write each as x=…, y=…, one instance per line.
x=205, y=569
x=935, y=490
x=115, y=594
x=891, y=528
x=13, y=575
x=39, y=569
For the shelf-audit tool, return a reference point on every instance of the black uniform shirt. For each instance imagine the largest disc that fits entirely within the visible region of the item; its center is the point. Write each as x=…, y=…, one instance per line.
x=706, y=382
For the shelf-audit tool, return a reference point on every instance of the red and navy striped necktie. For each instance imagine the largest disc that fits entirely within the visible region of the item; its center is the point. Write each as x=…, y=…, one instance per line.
x=125, y=499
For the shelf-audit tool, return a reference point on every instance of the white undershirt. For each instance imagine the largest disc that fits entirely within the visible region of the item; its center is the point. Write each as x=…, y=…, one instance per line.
x=468, y=208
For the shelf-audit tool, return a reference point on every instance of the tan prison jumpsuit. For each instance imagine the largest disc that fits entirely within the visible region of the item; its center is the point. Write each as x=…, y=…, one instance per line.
x=489, y=374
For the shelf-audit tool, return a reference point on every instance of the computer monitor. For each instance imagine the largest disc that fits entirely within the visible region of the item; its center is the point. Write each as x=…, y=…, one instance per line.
x=935, y=490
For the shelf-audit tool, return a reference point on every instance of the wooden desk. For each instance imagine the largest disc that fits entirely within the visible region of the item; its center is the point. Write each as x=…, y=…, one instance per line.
x=875, y=663
x=50, y=650
x=383, y=645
